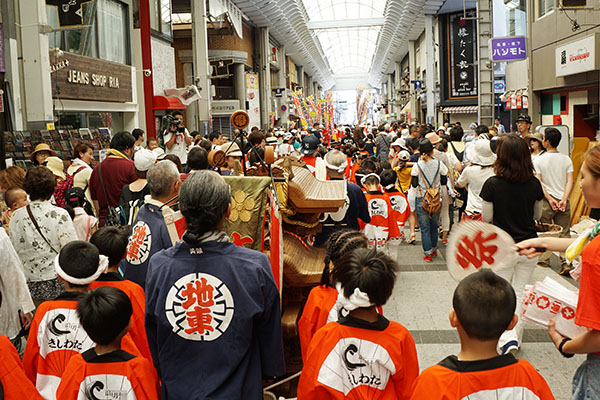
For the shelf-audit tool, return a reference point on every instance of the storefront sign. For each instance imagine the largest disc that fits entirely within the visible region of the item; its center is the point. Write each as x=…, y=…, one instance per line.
x=278, y=92
x=77, y=77
x=462, y=44
x=576, y=57
x=512, y=48
x=224, y=107
x=70, y=12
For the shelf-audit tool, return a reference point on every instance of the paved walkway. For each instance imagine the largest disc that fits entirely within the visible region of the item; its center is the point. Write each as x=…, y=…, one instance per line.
x=422, y=299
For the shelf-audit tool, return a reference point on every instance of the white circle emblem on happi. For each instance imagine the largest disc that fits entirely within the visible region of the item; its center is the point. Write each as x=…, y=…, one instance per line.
x=199, y=307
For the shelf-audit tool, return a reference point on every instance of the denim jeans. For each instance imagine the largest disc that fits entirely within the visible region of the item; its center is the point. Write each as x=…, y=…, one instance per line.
x=586, y=382
x=429, y=225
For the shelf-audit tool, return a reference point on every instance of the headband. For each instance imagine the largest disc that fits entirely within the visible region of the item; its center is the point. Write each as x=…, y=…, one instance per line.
x=102, y=267
x=341, y=168
x=364, y=178
x=358, y=299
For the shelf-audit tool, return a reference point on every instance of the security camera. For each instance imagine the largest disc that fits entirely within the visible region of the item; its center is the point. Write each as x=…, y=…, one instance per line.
x=147, y=73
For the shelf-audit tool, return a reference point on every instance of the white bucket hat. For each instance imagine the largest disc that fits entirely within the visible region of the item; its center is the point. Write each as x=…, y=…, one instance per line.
x=482, y=154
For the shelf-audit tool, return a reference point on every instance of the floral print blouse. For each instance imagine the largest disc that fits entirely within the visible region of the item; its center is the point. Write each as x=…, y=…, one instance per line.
x=36, y=255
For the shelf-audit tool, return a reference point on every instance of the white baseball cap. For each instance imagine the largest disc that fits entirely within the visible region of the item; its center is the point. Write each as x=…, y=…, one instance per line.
x=404, y=155
x=144, y=159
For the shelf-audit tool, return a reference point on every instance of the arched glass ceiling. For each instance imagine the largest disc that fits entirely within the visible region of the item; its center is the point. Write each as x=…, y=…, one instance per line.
x=347, y=30
x=326, y=10
x=349, y=47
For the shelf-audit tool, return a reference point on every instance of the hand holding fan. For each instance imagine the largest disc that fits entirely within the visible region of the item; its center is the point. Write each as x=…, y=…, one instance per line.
x=473, y=245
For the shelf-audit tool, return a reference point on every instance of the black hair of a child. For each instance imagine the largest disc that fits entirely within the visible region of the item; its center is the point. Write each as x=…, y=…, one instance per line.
x=371, y=180
x=79, y=259
x=104, y=313
x=339, y=243
x=369, y=270
x=388, y=177
x=484, y=304
x=111, y=241
x=369, y=163
x=360, y=173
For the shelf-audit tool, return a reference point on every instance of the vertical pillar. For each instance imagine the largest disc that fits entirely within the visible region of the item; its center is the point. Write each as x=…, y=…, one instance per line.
x=485, y=69
x=300, y=76
x=200, y=50
x=147, y=79
x=390, y=95
x=11, y=61
x=412, y=68
x=239, y=77
x=264, y=75
x=431, y=72
x=36, y=64
x=191, y=114
x=282, y=82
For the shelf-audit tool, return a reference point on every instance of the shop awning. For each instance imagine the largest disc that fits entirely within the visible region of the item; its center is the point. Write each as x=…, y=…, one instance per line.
x=167, y=103
x=460, y=110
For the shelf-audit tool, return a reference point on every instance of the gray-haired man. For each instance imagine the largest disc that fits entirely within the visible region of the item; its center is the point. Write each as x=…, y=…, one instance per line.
x=149, y=232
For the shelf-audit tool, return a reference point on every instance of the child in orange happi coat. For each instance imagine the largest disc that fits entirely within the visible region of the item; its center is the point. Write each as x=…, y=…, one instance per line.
x=362, y=355
x=320, y=307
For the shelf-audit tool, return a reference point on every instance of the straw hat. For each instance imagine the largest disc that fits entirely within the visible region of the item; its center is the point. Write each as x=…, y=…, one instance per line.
x=233, y=151
x=536, y=136
x=57, y=166
x=41, y=147
x=433, y=138
x=482, y=153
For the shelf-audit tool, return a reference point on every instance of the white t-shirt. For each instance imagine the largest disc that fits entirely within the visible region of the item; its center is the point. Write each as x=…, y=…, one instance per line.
x=179, y=148
x=553, y=167
x=429, y=171
x=474, y=176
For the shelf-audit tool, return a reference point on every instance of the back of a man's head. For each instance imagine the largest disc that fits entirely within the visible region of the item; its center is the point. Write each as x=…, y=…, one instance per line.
x=161, y=178
x=197, y=159
x=456, y=133
x=122, y=141
x=553, y=136
x=484, y=304
x=214, y=135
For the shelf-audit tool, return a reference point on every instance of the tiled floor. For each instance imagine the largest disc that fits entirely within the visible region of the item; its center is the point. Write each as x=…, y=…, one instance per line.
x=422, y=300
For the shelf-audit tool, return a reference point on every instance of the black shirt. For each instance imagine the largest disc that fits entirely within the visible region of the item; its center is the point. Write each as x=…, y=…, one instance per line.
x=513, y=205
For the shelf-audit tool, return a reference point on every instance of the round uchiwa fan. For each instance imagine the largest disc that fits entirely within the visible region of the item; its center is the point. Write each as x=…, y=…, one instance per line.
x=473, y=245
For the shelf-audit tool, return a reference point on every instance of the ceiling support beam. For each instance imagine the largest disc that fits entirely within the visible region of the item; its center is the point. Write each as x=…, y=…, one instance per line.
x=345, y=23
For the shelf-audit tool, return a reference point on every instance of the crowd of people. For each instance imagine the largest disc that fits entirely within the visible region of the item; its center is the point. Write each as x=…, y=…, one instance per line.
x=97, y=299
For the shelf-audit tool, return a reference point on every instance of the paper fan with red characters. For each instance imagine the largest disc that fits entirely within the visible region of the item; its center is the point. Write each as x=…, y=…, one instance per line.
x=473, y=245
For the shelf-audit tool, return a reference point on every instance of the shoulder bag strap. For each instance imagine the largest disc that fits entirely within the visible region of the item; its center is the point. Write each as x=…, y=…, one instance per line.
x=429, y=185
x=37, y=227
x=102, y=183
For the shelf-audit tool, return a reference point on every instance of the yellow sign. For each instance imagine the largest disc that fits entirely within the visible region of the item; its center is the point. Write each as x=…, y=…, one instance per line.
x=50, y=126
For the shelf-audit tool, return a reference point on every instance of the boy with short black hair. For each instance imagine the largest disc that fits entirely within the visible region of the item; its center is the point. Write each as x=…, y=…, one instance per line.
x=55, y=334
x=112, y=241
x=483, y=308
x=106, y=370
x=335, y=365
